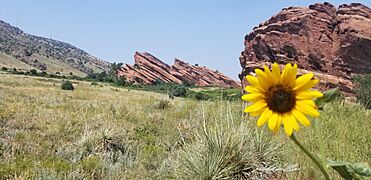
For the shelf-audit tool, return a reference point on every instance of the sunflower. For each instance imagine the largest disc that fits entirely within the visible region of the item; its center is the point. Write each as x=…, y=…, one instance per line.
x=281, y=98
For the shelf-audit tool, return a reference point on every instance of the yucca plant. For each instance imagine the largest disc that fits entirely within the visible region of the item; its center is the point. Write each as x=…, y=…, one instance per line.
x=232, y=151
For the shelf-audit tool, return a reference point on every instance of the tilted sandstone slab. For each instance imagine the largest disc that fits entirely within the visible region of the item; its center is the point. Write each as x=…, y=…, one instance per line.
x=335, y=43
x=148, y=69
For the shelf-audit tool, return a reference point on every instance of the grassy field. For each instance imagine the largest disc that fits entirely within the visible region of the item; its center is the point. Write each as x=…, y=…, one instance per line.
x=11, y=62
x=105, y=132
x=53, y=66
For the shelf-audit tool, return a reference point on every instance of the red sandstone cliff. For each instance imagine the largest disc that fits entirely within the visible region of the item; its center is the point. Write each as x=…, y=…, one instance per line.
x=335, y=43
x=148, y=68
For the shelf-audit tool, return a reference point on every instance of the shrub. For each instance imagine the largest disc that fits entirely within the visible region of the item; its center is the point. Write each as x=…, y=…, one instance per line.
x=199, y=96
x=67, y=85
x=158, y=81
x=94, y=83
x=187, y=83
x=4, y=69
x=178, y=90
x=121, y=81
x=43, y=74
x=33, y=72
x=363, y=91
x=162, y=104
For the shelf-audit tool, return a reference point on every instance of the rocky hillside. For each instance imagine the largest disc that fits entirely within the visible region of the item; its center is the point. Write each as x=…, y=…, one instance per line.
x=45, y=54
x=333, y=42
x=148, y=69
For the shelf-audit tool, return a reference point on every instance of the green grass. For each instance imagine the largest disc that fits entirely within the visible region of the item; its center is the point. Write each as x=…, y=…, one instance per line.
x=105, y=132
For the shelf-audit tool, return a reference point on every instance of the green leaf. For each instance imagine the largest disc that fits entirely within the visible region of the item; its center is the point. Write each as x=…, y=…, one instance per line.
x=341, y=168
x=351, y=171
x=361, y=169
x=328, y=96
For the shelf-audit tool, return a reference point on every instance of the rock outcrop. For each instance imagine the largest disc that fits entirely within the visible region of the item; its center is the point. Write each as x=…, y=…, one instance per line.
x=335, y=43
x=148, y=69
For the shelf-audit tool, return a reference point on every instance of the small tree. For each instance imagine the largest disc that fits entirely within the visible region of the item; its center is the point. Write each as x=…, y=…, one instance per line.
x=178, y=91
x=67, y=85
x=33, y=71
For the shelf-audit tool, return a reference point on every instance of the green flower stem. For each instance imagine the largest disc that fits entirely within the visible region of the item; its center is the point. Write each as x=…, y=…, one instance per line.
x=311, y=156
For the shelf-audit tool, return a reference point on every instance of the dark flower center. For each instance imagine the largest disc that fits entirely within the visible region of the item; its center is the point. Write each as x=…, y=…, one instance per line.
x=280, y=99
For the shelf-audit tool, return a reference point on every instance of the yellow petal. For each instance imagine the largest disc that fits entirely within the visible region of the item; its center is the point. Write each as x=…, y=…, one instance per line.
x=307, y=86
x=294, y=124
x=252, y=97
x=262, y=78
x=292, y=76
x=303, y=80
x=256, y=106
x=251, y=89
x=272, y=121
x=287, y=126
x=308, y=94
x=276, y=72
x=269, y=76
x=264, y=117
x=301, y=117
x=285, y=73
x=307, y=107
x=252, y=80
x=278, y=124
x=257, y=113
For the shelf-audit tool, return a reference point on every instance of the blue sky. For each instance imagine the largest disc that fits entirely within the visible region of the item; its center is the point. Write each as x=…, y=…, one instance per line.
x=205, y=32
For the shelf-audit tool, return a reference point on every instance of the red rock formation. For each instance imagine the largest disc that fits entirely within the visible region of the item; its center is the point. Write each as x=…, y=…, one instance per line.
x=333, y=42
x=148, y=68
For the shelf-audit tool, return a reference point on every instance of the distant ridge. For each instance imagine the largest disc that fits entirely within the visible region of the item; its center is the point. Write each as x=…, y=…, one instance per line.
x=21, y=50
x=148, y=70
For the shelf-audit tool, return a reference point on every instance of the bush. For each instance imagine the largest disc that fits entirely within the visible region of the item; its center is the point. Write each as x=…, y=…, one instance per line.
x=43, y=74
x=187, y=83
x=363, y=91
x=199, y=96
x=178, y=91
x=94, y=83
x=67, y=85
x=158, y=81
x=162, y=104
x=121, y=81
x=4, y=69
x=33, y=72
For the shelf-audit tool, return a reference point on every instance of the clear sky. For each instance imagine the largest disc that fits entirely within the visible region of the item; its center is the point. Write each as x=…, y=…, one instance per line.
x=205, y=32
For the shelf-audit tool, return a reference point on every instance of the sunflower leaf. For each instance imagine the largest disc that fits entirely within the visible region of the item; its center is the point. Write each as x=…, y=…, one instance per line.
x=328, y=96
x=341, y=168
x=351, y=171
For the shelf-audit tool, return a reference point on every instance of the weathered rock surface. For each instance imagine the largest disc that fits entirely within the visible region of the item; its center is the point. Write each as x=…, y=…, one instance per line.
x=148, y=68
x=335, y=43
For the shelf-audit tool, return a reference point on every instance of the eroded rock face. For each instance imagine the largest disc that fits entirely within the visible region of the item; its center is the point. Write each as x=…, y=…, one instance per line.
x=335, y=43
x=148, y=68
